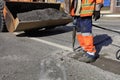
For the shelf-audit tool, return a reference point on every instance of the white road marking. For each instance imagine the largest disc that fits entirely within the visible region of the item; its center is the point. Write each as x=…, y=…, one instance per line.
x=52, y=44
x=112, y=15
x=49, y=43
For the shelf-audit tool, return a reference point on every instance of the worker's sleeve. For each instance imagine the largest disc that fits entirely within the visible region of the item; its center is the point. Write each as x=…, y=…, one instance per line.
x=99, y=5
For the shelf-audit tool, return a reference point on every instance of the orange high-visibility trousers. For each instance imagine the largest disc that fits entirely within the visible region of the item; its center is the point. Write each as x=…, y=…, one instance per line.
x=84, y=33
x=86, y=42
x=80, y=40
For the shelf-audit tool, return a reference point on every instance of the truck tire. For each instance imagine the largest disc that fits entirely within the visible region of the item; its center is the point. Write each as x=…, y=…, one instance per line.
x=2, y=21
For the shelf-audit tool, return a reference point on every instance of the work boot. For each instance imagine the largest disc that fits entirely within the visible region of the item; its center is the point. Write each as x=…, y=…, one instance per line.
x=77, y=54
x=87, y=58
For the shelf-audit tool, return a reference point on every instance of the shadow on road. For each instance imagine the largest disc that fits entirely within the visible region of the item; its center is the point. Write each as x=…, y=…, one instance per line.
x=49, y=32
x=100, y=41
x=102, y=62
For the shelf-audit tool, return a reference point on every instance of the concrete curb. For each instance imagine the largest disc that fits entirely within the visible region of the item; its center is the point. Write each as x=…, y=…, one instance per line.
x=111, y=15
x=108, y=13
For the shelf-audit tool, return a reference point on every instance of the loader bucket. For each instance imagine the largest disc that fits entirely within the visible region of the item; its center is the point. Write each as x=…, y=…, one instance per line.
x=13, y=22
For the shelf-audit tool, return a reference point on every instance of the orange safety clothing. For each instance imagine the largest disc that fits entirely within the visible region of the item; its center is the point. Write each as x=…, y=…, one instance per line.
x=87, y=7
x=80, y=40
x=86, y=42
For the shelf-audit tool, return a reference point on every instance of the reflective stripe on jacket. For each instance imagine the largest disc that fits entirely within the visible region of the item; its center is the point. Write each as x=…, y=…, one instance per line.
x=87, y=8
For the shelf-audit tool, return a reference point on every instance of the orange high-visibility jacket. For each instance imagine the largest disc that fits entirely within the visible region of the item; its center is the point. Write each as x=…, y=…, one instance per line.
x=87, y=7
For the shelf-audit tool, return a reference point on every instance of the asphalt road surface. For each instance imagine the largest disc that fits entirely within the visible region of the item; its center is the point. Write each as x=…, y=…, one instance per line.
x=44, y=55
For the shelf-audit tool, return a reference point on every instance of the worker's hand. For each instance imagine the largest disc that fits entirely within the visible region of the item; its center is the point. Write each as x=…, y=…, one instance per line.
x=75, y=20
x=96, y=15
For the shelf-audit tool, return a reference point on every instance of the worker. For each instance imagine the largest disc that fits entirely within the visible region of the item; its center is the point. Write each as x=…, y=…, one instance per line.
x=82, y=11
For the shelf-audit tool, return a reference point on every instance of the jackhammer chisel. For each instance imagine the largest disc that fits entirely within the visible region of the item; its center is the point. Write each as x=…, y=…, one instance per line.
x=77, y=8
x=74, y=34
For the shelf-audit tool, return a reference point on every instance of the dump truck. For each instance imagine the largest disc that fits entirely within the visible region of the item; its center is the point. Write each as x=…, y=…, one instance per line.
x=28, y=15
